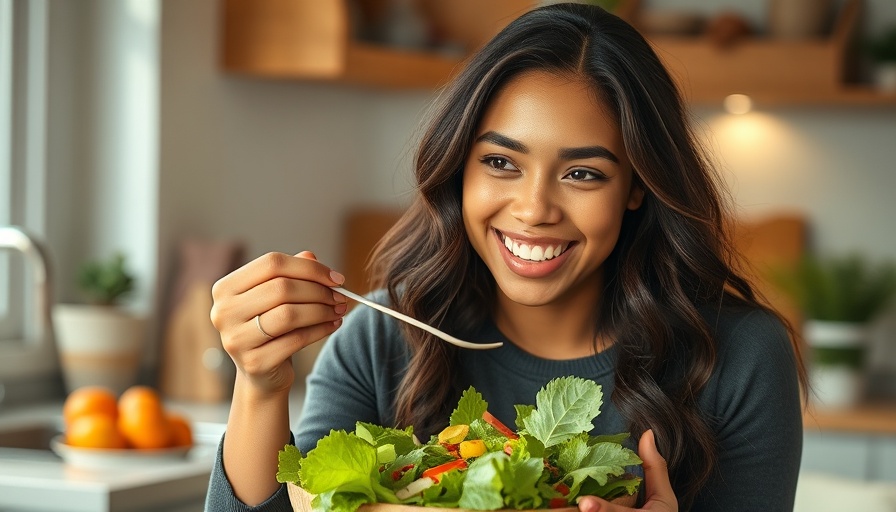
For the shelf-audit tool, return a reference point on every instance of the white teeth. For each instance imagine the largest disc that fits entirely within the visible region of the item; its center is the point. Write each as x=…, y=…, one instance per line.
x=533, y=252
x=537, y=254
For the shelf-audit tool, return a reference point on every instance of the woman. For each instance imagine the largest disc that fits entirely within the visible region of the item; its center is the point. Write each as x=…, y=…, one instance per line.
x=564, y=208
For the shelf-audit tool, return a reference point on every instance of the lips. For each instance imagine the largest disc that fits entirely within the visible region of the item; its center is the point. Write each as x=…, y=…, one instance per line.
x=532, y=257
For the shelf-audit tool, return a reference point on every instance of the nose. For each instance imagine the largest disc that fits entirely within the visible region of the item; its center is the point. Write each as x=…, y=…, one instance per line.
x=535, y=201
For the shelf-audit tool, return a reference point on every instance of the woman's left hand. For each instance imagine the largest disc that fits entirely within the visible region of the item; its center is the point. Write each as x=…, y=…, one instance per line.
x=659, y=493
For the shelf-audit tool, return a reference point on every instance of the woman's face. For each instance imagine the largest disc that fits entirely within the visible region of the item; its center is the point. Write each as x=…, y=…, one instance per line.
x=545, y=187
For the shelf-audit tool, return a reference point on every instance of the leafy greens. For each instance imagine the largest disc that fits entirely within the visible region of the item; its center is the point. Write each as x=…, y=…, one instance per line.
x=477, y=462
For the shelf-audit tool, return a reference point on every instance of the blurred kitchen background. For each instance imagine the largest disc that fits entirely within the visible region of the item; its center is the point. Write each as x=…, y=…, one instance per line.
x=182, y=132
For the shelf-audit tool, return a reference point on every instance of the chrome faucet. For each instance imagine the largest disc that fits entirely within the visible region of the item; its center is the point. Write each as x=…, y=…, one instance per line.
x=38, y=341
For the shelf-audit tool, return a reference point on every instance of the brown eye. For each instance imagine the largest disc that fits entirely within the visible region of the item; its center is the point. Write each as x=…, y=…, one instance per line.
x=585, y=175
x=498, y=162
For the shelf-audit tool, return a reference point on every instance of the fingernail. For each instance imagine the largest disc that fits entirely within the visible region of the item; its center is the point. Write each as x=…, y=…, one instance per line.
x=340, y=308
x=337, y=277
x=338, y=297
x=587, y=505
x=337, y=322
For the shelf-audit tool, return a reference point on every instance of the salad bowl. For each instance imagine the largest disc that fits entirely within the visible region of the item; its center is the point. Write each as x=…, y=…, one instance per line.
x=301, y=502
x=475, y=462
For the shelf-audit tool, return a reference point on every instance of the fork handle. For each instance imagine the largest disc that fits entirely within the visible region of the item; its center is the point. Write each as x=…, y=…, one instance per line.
x=417, y=323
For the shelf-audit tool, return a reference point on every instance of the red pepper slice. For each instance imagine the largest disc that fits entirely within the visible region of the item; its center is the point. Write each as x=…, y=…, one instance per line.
x=435, y=472
x=398, y=473
x=500, y=427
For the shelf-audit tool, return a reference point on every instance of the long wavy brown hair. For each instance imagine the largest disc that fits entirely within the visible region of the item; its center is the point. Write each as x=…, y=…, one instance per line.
x=673, y=258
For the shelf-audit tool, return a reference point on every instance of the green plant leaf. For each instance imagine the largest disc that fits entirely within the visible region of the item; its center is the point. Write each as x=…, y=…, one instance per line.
x=564, y=408
x=838, y=289
x=470, y=407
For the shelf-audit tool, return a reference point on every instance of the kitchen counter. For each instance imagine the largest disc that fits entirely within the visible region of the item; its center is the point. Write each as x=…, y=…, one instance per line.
x=39, y=481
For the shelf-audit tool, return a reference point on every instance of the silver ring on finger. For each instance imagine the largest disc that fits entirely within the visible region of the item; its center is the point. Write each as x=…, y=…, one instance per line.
x=260, y=328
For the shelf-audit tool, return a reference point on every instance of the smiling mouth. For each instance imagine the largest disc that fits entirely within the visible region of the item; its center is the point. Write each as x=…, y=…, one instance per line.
x=533, y=252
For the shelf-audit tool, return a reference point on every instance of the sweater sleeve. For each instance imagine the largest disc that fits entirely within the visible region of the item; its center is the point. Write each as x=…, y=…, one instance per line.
x=354, y=379
x=753, y=401
x=220, y=497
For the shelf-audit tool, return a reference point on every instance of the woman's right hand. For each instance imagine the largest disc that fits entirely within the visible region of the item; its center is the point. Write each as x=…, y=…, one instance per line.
x=295, y=307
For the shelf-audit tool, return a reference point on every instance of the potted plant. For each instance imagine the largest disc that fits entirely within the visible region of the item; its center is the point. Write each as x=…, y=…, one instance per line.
x=839, y=297
x=882, y=50
x=100, y=343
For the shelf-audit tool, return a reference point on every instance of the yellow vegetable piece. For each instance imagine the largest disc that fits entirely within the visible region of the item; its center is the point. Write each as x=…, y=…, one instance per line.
x=454, y=434
x=472, y=448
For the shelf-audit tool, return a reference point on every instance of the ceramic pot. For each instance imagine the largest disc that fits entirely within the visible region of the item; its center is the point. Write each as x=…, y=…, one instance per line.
x=837, y=367
x=98, y=345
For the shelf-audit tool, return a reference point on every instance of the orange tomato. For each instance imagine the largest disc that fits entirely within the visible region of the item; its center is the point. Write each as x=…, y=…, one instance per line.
x=89, y=400
x=142, y=419
x=94, y=431
x=139, y=398
x=181, y=432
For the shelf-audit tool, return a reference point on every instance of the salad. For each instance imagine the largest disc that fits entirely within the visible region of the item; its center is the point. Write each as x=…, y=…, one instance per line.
x=476, y=462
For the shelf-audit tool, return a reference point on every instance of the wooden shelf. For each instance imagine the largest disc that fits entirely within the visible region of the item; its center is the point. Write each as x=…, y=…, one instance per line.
x=773, y=72
x=312, y=40
x=868, y=418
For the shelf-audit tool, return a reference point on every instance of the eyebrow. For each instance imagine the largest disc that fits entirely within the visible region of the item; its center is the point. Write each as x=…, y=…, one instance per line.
x=565, y=153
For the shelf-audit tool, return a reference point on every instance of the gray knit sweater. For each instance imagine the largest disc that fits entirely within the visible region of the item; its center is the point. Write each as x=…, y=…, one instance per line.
x=753, y=399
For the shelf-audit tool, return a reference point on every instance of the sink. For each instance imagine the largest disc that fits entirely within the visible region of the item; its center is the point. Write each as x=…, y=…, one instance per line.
x=28, y=440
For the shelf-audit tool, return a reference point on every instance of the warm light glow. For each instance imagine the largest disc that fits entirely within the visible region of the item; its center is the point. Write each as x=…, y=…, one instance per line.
x=738, y=104
x=749, y=148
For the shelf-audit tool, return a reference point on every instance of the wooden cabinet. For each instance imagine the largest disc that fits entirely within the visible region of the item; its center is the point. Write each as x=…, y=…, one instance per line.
x=314, y=40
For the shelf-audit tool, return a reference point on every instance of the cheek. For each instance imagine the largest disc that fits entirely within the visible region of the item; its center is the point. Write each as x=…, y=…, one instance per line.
x=599, y=222
x=480, y=197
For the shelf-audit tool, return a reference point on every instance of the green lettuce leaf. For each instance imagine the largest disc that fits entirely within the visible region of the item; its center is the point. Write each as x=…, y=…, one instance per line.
x=496, y=481
x=599, y=462
x=493, y=439
x=334, y=501
x=344, y=463
x=564, y=408
x=402, y=439
x=448, y=491
x=289, y=462
x=522, y=412
x=615, y=487
x=469, y=408
x=482, y=489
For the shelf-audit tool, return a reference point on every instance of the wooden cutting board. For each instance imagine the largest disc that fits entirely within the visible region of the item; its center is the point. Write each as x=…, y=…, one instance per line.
x=194, y=366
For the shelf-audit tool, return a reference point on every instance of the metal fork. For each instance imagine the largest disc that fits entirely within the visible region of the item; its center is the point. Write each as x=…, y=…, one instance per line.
x=417, y=323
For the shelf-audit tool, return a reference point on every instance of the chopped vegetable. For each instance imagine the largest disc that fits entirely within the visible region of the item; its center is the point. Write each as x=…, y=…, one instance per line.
x=416, y=487
x=385, y=453
x=454, y=434
x=502, y=428
x=435, y=473
x=471, y=448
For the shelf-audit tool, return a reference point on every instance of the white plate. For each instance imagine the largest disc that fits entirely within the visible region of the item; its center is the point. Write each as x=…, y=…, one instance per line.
x=96, y=458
